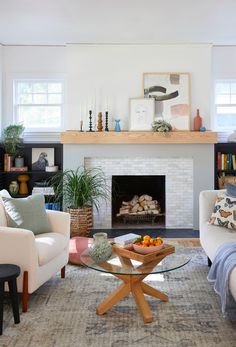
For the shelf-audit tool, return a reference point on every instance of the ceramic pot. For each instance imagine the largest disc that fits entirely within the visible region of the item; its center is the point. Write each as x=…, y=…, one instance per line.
x=14, y=187
x=101, y=249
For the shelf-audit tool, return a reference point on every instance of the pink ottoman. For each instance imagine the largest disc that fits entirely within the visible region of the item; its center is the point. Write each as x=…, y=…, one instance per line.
x=77, y=245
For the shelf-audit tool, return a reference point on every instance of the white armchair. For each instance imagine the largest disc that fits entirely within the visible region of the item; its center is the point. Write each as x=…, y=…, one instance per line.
x=40, y=256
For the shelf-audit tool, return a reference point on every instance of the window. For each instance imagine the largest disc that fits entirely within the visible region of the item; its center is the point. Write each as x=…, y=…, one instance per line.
x=38, y=104
x=225, y=105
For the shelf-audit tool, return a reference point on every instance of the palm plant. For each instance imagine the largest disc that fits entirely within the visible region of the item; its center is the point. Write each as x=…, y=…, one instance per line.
x=80, y=188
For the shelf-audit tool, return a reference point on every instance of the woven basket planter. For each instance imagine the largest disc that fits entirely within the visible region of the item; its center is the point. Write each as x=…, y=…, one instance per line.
x=81, y=221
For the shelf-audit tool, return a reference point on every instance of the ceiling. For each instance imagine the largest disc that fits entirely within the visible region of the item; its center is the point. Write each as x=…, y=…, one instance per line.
x=57, y=22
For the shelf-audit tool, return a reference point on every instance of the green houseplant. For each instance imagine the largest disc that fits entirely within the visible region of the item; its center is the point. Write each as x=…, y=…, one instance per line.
x=12, y=138
x=81, y=190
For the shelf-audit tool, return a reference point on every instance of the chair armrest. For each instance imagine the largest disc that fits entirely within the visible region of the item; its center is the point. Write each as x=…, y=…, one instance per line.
x=59, y=222
x=17, y=246
x=207, y=201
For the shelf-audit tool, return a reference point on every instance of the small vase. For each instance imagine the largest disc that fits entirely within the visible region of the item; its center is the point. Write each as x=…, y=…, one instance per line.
x=117, y=125
x=14, y=187
x=19, y=161
x=197, y=122
x=101, y=249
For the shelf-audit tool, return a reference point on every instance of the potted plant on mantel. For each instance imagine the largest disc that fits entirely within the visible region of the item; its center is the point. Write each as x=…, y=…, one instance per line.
x=11, y=141
x=81, y=190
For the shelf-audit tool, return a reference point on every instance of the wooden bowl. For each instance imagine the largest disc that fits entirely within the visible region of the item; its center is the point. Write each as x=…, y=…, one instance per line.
x=147, y=250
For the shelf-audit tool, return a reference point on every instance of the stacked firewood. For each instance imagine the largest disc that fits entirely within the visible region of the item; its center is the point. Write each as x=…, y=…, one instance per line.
x=140, y=205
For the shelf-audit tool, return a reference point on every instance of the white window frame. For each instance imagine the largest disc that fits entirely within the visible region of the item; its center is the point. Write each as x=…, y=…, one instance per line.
x=8, y=105
x=15, y=104
x=216, y=126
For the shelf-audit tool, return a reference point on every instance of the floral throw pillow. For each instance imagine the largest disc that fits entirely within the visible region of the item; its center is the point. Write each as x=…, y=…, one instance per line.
x=224, y=213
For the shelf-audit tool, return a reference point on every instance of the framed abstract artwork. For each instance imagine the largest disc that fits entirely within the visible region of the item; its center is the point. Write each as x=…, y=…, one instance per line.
x=141, y=114
x=171, y=94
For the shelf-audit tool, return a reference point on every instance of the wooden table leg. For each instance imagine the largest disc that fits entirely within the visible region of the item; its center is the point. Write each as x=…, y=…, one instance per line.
x=121, y=292
x=14, y=300
x=141, y=302
x=154, y=292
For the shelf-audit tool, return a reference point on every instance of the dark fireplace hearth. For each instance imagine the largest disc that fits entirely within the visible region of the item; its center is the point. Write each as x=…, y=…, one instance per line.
x=138, y=201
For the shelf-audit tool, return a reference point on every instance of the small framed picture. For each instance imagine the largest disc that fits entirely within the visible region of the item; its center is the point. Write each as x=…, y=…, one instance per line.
x=42, y=157
x=141, y=114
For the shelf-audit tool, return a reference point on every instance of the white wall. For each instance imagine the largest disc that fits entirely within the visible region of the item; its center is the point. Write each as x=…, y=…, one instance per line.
x=29, y=62
x=115, y=72
x=223, y=62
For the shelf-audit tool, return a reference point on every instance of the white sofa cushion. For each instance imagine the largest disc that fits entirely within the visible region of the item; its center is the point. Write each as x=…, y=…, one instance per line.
x=49, y=245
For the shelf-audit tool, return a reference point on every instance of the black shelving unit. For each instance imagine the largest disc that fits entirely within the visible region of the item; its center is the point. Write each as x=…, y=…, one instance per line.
x=226, y=148
x=35, y=176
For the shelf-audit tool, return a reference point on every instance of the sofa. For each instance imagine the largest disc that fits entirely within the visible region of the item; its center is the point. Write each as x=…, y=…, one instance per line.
x=39, y=256
x=212, y=236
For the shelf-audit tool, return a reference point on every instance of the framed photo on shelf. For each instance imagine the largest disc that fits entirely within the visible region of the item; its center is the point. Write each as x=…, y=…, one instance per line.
x=171, y=93
x=141, y=114
x=42, y=157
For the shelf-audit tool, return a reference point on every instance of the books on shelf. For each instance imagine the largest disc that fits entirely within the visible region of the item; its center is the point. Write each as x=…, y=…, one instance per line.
x=226, y=161
x=19, y=169
x=126, y=239
x=52, y=206
x=43, y=190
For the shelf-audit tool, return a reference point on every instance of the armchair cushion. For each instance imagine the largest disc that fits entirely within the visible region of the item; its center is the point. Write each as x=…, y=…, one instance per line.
x=50, y=245
x=27, y=213
x=224, y=213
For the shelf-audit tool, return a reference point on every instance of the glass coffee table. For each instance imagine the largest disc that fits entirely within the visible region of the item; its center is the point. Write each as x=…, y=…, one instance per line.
x=132, y=272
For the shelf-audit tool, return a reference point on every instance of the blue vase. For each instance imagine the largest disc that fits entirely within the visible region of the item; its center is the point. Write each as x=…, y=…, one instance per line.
x=117, y=125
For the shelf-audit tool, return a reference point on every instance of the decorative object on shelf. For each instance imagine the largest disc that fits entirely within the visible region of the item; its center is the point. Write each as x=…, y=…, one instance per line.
x=12, y=138
x=197, y=123
x=101, y=249
x=203, y=129
x=141, y=114
x=81, y=126
x=161, y=126
x=80, y=189
x=19, y=161
x=232, y=137
x=106, y=121
x=8, y=162
x=14, y=188
x=117, y=125
x=90, y=121
x=171, y=92
x=100, y=127
x=51, y=168
x=223, y=180
x=23, y=179
x=42, y=157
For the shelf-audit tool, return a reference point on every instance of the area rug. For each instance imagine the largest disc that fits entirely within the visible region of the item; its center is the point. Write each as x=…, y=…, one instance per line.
x=62, y=312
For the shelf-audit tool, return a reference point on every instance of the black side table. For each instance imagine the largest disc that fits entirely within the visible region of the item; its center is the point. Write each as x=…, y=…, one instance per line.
x=9, y=273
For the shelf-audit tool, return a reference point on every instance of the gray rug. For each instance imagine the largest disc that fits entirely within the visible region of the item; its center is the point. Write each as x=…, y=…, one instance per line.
x=62, y=313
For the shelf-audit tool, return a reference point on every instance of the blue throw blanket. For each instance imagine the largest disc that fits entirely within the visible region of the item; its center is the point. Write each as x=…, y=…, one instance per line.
x=223, y=264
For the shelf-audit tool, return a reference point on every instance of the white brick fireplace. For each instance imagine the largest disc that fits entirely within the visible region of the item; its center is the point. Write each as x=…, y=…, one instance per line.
x=178, y=174
x=188, y=169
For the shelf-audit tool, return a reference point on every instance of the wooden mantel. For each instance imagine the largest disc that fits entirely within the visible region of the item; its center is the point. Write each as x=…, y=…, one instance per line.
x=138, y=137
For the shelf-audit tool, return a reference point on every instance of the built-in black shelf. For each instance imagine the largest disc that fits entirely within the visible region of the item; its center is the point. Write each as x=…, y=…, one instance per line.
x=26, y=151
x=226, y=148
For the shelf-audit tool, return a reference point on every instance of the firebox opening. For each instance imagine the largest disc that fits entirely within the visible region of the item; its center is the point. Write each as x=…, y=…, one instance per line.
x=138, y=201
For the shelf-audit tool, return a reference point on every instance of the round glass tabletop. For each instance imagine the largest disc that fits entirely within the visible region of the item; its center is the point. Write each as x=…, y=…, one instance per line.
x=125, y=266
